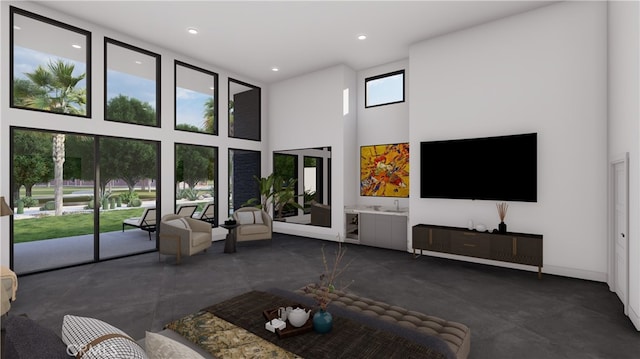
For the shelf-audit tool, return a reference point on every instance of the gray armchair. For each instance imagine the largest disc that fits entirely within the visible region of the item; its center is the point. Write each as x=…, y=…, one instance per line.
x=254, y=224
x=183, y=236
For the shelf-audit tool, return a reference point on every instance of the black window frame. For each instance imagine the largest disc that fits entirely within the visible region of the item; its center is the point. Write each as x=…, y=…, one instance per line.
x=15, y=10
x=216, y=176
x=382, y=76
x=158, y=63
x=216, y=103
x=230, y=80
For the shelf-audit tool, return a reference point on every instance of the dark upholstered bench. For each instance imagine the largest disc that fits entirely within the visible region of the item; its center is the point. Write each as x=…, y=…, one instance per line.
x=456, y=335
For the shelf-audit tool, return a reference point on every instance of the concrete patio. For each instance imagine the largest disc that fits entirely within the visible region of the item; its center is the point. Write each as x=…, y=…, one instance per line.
x=58, y=252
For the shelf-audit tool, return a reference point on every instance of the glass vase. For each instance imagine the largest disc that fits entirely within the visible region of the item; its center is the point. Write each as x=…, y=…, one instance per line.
x=322, y=321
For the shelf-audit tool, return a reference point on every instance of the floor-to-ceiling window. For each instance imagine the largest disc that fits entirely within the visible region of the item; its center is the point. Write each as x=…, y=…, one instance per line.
x=101, y=181
x=105, y=177
x=127, y=188
x=43, y=229
x=196, y=175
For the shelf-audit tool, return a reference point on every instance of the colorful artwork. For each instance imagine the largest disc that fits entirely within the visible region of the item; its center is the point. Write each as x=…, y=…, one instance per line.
x=384, y=170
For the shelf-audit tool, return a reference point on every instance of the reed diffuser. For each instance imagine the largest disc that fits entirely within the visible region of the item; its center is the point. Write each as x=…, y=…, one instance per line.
x=502, y=213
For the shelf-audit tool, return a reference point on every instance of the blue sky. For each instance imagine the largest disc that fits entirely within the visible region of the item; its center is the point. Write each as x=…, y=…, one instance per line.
x=189, y=104
x=190, y=107
x=27, y=60
x=385, y=90
x=120, y=83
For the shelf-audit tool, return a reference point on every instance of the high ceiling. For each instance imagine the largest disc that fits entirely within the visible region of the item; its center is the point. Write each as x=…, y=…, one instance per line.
x=249, y=38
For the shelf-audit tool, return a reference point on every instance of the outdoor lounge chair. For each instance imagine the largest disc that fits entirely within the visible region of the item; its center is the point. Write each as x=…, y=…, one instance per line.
x=146, y=222
x=187, y=210
x=207, y=214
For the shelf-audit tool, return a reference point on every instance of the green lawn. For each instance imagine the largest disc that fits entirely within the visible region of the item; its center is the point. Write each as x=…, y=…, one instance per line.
x=35, y=229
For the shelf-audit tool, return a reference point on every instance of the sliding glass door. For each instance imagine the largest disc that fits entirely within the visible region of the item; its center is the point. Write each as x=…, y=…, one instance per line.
x=71, y=194
x=127, y=191
x=52, y=183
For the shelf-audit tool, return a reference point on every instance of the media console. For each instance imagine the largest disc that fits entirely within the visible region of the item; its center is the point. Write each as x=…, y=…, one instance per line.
x=517, y=248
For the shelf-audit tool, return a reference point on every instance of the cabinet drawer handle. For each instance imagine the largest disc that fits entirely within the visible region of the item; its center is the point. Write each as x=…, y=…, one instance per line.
x=469, y=245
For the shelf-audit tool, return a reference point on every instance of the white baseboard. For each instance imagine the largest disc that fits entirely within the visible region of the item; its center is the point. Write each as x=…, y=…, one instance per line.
x=576, y=273
x=635, y=318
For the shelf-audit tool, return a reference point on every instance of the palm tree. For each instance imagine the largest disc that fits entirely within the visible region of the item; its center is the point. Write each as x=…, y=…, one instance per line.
x=209, y=116
x=58, y=95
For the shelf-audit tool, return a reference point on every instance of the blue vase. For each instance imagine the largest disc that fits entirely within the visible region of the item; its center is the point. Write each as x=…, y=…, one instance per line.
x=322, y=321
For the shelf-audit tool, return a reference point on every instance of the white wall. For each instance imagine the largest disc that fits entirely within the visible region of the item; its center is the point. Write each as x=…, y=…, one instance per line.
x=542, y=71
x=382, y=125
x=307, y=111
x=97, y=125
x=624, y=123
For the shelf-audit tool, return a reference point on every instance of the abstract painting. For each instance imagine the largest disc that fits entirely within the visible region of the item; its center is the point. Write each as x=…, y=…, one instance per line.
x=384, y=170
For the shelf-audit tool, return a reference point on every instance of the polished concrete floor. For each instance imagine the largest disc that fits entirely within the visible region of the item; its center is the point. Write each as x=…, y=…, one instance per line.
x=511, y=313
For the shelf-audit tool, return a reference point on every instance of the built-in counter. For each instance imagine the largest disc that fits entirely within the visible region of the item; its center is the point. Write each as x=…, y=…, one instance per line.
x=377, y=226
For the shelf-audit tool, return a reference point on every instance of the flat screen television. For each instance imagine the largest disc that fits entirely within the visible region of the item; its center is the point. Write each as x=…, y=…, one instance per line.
x=503, y=168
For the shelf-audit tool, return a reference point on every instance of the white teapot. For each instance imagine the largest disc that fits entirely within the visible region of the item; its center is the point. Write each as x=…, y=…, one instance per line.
x=298, y=317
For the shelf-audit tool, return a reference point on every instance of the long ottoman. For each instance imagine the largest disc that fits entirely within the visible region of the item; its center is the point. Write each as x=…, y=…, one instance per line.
x=456, y=335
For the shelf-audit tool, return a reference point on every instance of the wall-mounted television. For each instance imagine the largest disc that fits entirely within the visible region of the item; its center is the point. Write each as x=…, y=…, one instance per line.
x=503, y=168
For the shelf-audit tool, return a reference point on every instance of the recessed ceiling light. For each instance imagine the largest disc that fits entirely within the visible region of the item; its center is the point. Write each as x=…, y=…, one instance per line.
x=192, y=30
x=76, y=46
x=275, y=69
x=362, y=37
x=138, y=62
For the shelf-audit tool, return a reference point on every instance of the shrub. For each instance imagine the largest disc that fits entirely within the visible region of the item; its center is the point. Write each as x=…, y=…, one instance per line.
x=29, y=202
x=188, y=194
x=49, y=206
x=128, y=196
x=135, y=203
x=91, y=204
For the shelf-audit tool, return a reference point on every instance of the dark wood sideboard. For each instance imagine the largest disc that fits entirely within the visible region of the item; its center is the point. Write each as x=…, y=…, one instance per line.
x=520, y=248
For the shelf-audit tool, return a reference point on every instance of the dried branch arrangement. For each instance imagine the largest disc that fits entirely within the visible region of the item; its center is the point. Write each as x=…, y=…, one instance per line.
x=502, y=210
x=328, y=279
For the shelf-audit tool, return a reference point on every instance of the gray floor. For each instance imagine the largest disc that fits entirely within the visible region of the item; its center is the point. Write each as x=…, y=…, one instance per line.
x=511, y=313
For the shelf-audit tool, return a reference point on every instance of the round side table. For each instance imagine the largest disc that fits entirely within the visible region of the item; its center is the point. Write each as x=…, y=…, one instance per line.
x=230, y=241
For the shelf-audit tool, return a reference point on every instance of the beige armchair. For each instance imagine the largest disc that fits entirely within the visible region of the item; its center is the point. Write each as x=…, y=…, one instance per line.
x=254, y=224
x=183, y=236
x=8, y=289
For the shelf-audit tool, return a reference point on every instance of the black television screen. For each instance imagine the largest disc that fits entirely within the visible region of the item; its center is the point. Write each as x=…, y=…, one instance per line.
x=503, y=168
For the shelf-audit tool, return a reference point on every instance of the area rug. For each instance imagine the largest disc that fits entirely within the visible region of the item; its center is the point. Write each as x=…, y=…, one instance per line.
x=225, y=340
